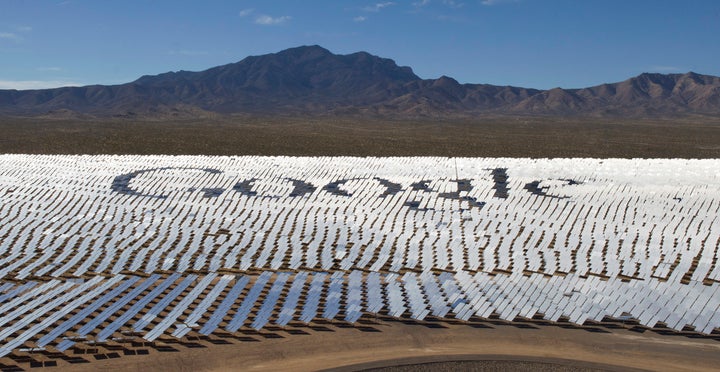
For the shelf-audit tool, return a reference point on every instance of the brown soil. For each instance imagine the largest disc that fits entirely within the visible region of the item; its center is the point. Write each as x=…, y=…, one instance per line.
x=483, y=363
x=484, y=137
x=393, y=343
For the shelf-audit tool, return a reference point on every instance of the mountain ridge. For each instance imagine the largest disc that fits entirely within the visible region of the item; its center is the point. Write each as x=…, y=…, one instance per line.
x=310, y=80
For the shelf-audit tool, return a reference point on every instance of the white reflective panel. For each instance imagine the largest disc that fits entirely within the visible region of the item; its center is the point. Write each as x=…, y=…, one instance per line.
x=184, y=245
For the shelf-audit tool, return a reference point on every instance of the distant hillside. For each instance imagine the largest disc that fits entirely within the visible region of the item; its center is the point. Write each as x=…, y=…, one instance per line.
x=311, y=80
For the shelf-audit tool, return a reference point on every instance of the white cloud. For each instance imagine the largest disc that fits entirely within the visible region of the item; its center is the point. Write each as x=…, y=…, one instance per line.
x=49, y=69
x=246, y=12
x=9, y=36
x=457, y=4
x=24, y=28
x=36, y=84
x=267, y=20
x=359, y=19
x=421, y=3
x=494, y=2
x=378, y=7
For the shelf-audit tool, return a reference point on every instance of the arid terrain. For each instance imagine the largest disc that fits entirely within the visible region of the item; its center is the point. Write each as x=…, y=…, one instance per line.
x=688, y=137
x=311, y=80
x=387, y=343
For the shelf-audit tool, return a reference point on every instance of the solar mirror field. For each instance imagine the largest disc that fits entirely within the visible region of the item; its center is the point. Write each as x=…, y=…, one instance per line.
x=121, y=255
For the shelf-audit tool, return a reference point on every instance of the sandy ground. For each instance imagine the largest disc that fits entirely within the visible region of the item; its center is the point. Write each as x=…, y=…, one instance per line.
x=481, y=363
x=401, y=344
x=493, y=137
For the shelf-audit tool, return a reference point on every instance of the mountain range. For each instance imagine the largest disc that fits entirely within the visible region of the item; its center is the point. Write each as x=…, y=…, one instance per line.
x=310, y=80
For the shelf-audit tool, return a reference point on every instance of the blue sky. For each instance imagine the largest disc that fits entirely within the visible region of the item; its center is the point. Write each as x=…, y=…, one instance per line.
x=529, y=43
